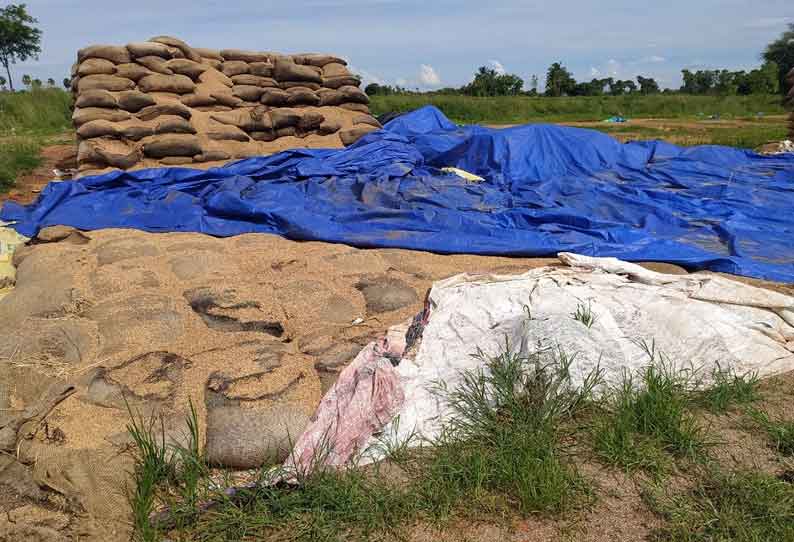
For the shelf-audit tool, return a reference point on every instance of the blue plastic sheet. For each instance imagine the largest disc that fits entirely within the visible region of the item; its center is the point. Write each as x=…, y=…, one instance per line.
x=547, y=189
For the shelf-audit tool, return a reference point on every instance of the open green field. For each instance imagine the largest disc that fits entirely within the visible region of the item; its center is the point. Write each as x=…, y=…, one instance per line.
x=520, y=109
x=28, y=121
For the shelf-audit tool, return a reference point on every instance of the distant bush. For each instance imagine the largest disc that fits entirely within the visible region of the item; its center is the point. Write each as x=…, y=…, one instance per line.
x=43, y=111
x=518, y=109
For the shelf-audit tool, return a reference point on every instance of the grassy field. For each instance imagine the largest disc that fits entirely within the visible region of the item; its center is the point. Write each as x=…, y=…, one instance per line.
x=524, y=447
x=28, y=120
x=519, y=109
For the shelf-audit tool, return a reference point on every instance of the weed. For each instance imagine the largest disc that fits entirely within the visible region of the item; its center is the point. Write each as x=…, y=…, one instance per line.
x=780, y=432
x=642, y=419
x=153, y=466
x=729, y=388
x=735, y=507
x=584, y=314
x=501, y=446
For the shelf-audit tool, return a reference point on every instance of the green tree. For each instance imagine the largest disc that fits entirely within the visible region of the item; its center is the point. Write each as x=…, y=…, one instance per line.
x=781, y=52
x=559, y=81
x=50, y=82
x=648, y=85
x=372, y=89
x=26, y=80
x=67, y=83
x=488, y=82
x=19, y=39
x=36, y=84
x=3, y=82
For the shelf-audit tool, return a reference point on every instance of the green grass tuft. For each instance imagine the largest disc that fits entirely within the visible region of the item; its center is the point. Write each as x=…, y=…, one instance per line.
x=584, y=314
x=728, y=389
x=38, y=112
x=645, y=418
x=734, y=507
x=779, y=432
x=502, y=448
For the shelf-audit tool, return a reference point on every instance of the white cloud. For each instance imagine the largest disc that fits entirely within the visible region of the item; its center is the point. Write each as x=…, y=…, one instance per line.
x=428, y=76
x=497, y=67
x=594, y=72
x=653, y=59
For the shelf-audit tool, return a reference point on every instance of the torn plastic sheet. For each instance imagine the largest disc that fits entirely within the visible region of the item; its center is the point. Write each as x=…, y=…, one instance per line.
x=701, y=319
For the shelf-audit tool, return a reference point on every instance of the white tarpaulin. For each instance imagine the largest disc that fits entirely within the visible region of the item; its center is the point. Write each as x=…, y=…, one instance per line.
x=698, y=320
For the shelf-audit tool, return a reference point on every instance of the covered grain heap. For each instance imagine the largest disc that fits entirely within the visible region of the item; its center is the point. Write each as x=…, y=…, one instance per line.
x=165, y=103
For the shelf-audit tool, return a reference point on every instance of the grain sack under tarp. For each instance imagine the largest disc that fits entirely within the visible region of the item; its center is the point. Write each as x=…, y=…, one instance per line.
x=122, y=91
x=699, y=321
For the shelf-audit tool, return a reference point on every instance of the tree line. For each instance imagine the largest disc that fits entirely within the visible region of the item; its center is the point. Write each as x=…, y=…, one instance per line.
x=769, y=78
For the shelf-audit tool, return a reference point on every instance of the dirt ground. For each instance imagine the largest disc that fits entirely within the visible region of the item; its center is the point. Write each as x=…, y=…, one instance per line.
x=30, y=185
x=243, y=326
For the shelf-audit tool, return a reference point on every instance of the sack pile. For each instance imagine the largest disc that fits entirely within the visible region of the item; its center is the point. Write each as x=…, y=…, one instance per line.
x=165, y=103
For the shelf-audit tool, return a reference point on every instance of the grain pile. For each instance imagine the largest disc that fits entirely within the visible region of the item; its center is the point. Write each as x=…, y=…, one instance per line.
x=165, y=103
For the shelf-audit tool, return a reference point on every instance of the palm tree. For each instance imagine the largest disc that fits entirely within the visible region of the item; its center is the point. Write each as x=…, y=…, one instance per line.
x=26, y=80
x=50, y=82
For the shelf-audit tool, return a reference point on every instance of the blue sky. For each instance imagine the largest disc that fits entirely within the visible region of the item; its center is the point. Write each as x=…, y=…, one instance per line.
x=431, y=43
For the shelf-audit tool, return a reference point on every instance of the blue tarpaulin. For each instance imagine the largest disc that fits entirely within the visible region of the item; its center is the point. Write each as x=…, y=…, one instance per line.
x=547, y=189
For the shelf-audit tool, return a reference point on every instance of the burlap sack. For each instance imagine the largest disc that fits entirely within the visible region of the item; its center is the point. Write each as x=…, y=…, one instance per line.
x=134, y=100
x=355, y=133
x=229, y=100
x=247, y=438
x=172, y=124
x=245, y=56
x=234, y=67
x=198, y=100
x=286, y=70
x=264, y=136
x=317, y=59
x=104, y=82
x=262, y=69
x=354, y=94
x=310, y=121
x=329, y=97
x=286, y=85
x=148, y=48
x=179, y=84
x=335, y=69
x=183, y=66
x=96, y=66
x=212, y=54
x=285, y=118
x=155, y=64
x=96, y=98
x=367, y=119
x=255, y=80
x=301, y=96
x=249, y=120
x=339, y=82
x=115, y=53
x=133, y=72
x=160, y=146
x=329, y=127
x=87, y=114
x=249, y=93
x=171, y=108
x=226, y=132
x=108, y=152
x=215, y=77
x=274, y=97
x=189, y=52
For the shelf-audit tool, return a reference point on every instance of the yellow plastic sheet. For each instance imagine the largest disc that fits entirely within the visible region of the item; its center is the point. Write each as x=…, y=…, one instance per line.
x=9, y=241
x=463, y=174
